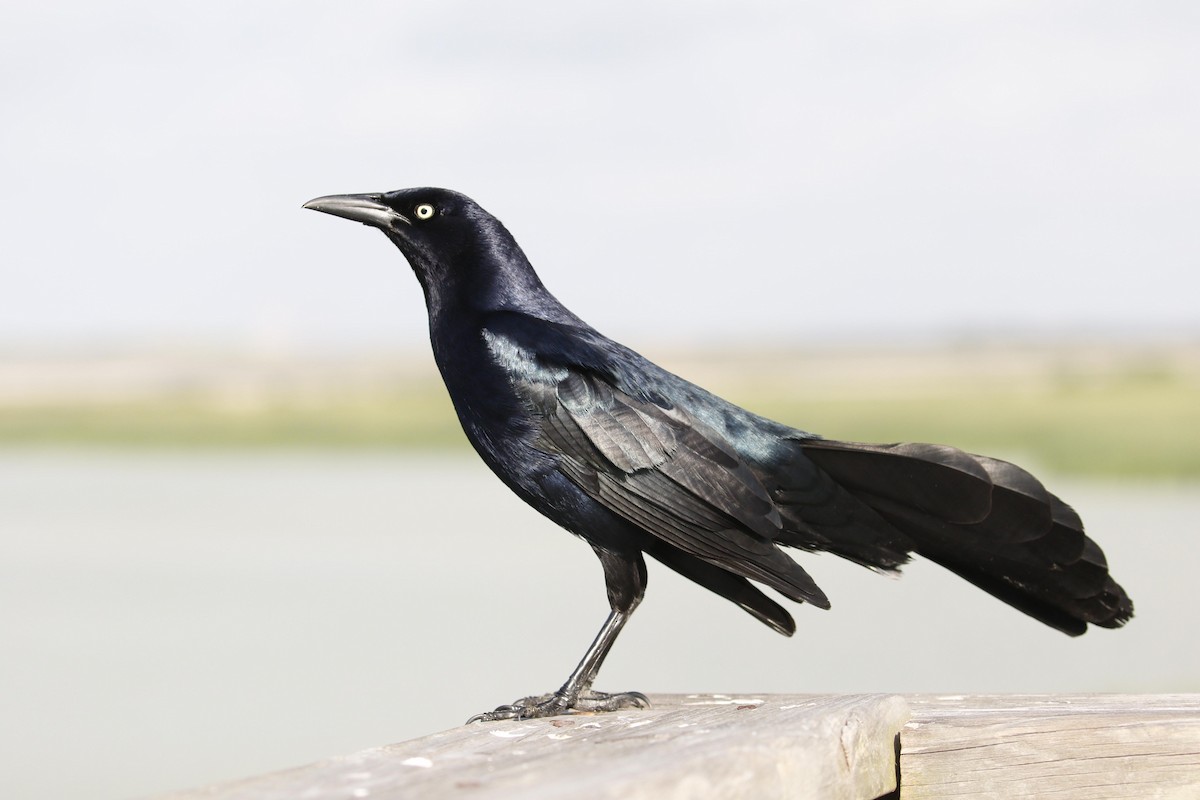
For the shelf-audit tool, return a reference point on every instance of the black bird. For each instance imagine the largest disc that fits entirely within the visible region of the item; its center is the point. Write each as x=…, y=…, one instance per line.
x=636, y=460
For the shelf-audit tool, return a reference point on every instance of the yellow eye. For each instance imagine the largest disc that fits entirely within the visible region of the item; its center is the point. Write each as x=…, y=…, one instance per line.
x=424, y=211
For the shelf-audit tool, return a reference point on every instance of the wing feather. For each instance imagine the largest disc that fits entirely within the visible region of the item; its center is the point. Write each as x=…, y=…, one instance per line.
x=658, y=468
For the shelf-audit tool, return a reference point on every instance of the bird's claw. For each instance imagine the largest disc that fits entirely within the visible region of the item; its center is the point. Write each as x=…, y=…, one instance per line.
x=603, y=701
x=552, y=705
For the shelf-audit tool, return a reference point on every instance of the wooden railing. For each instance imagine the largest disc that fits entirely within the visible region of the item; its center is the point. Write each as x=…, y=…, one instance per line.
x=852, y=747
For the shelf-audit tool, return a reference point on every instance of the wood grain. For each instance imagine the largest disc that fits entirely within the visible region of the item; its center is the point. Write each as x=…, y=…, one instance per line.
x=1066, y=747
x=1098, y=747
x=684, y=746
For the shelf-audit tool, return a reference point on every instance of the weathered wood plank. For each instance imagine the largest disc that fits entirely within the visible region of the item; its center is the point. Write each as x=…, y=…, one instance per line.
x=1098, y=747
x=684, y=746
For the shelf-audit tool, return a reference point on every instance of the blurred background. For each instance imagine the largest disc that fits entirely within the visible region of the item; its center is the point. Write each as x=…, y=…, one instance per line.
x=239, y=527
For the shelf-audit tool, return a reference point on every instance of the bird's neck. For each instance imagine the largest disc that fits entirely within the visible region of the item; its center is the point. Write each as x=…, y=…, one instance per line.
x=500, y=279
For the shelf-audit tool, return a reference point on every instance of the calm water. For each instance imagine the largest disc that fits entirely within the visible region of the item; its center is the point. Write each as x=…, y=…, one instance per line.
x=170, y=620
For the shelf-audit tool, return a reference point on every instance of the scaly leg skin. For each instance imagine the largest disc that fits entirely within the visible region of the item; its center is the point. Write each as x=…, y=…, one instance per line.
x=625, y=576
x=576, y=694
x=552, y=705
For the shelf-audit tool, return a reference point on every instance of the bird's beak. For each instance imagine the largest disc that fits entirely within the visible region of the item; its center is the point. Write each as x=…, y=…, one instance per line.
x=368, y=209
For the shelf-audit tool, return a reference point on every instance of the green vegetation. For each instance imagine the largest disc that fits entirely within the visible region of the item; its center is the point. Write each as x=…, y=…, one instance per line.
x=1113, y=421
x=1124, y=428
x=418, y=416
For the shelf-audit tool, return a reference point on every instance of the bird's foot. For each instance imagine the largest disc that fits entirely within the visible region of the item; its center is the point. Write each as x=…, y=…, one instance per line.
x=551, y=705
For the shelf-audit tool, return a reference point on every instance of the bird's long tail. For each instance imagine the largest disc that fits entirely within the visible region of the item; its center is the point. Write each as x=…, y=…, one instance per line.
x=987, y=520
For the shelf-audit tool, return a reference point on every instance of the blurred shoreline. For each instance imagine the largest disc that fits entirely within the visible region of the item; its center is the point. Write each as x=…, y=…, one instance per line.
x=80, y=372
x=1077, y=404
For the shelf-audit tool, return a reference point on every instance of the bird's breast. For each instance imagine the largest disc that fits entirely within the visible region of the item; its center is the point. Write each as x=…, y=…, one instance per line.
x=479, y=376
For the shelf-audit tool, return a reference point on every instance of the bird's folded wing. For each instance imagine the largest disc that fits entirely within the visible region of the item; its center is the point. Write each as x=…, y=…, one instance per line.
x=656, y=467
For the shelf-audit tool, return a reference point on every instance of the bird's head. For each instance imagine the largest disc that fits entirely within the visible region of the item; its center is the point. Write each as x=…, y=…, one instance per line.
x=455, y=247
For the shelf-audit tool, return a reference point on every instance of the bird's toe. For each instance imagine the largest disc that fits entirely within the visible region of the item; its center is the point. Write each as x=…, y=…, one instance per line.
x=552, y=705
x=604, y=701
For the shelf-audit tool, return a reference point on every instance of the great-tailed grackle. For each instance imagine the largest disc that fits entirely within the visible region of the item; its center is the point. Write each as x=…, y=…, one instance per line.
x=636, y=460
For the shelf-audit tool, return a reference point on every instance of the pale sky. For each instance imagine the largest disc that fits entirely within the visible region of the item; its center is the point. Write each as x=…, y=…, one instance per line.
x=776, y=172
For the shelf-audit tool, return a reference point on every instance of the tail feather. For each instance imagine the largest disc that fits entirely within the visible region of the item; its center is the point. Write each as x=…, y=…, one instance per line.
x=1066, y=541
x=1021, y=508
x=986, y=520
x=934, y=478
x=820, y=514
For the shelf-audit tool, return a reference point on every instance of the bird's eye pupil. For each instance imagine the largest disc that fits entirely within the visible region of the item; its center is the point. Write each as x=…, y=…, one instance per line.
x=424, y=211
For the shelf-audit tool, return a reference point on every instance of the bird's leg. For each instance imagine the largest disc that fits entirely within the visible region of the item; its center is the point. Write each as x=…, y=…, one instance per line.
x=576, y=693
x=580, y=683
x=626, y=579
